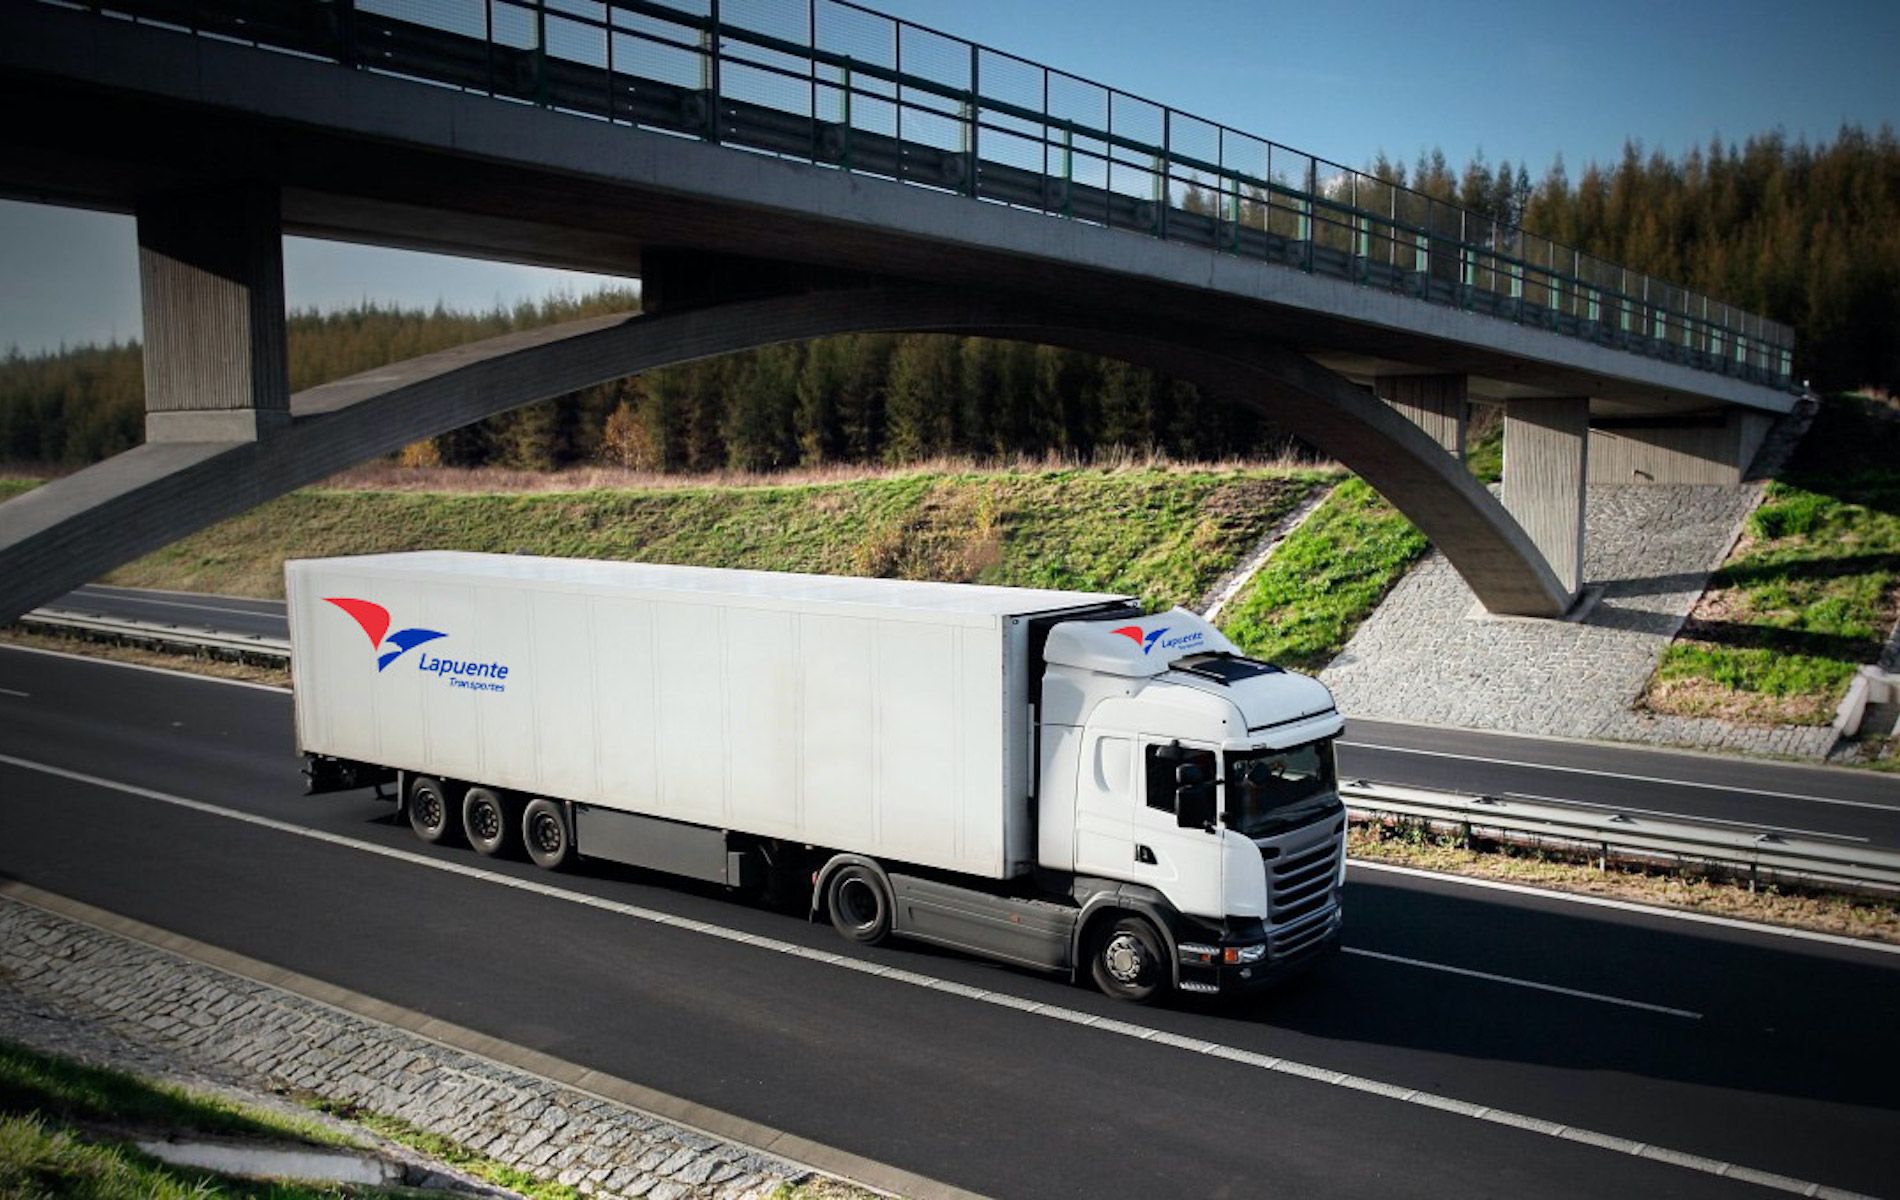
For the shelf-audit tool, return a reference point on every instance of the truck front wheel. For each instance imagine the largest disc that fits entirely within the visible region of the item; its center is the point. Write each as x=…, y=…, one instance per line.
x=429, y=810
x=859, y=907
x=544, y=833
x=1128, y=962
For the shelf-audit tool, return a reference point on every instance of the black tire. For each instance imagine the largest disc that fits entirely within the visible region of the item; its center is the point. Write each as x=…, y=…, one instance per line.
x=545, y=835
x=859, y=907
x=430, y=813
x=488, y=821
x=1129, y=961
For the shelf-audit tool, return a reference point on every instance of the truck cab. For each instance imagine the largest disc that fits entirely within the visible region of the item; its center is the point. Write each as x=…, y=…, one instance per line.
x=1181, y=780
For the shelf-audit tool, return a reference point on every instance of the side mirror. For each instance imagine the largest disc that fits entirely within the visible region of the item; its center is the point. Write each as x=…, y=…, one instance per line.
x=1193, y=798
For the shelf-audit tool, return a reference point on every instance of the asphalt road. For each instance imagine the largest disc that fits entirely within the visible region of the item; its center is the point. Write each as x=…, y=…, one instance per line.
x=1763, y=1050
x=1858, y=807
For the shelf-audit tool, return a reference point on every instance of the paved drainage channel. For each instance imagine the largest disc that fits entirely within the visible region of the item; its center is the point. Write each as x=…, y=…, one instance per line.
x=309, y=1164
x=69, y=988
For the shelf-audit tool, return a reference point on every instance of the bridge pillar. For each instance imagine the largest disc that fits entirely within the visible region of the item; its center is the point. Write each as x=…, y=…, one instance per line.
x=1546, y=444
x=1436, y=404
x=211, y=281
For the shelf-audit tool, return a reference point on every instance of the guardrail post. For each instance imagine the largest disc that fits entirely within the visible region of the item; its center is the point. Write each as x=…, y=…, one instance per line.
x=541, y=53
x=709, y=70
x=346, y=32
x=972, y=118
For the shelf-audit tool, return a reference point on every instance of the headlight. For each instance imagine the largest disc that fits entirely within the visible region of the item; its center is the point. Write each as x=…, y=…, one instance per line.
x=1244, y=954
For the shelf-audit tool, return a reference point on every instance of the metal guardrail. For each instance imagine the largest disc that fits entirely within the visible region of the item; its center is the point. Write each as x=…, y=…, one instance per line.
x=839, y=85
x=1757, y=854
x=255, y=647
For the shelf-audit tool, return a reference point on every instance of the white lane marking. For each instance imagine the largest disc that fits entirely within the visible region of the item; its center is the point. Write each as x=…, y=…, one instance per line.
x=1693, y=783
x=1656, y=812
x=1250, y=1058
x=113, y=662
x=1524, y=983
x=1648, y=910
x=11, y=692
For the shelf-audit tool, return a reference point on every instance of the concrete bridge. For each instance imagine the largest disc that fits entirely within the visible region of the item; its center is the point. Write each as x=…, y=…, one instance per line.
x=817, y=169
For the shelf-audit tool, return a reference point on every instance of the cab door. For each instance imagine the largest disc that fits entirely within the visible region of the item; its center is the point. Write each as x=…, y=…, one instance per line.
x=1108, y=786
x=1183, y=864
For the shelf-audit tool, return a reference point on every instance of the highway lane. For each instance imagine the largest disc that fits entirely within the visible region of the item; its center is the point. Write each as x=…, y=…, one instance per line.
x=224, y=614
x=1860, y=807
x=1786, y=1067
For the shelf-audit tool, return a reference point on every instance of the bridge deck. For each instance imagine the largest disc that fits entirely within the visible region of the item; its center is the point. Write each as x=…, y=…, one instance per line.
x=829, y=83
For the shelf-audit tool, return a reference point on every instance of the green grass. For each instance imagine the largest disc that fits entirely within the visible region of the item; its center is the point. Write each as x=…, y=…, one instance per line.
x=61, y=1123
x=1162, y=534
x=9, y=488
x=455, y=1154
x=64, y=1090
x=1484, y=446
x=1326, y=578
x=1810, y=594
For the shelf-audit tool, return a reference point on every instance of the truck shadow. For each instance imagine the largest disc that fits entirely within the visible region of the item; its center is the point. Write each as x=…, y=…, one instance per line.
x=1781, y=1017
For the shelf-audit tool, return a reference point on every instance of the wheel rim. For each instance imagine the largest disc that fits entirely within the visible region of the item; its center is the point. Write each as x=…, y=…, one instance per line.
x=428, y=809
x=484, y=821
x=1126, y=959
x=545, y=832
x=858, y=903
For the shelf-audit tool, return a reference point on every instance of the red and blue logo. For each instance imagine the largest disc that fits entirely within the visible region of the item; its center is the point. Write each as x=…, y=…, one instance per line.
x=1149, y=639
x=1146, y=640
x=374, y=619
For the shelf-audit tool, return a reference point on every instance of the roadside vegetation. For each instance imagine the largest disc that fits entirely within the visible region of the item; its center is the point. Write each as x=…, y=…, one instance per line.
x=1409, y=844
x=1163, y=534
x=1300, y=609
x=1811, y=591
x=67, y=1130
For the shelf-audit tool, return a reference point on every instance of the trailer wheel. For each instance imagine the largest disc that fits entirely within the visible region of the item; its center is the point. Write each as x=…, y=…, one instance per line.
x=485, y=821
x=1128, y=962
x=860, y=908
x=429, y=811
x=544, y=833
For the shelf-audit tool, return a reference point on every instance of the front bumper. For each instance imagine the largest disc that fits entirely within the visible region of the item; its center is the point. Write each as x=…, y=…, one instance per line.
x=1224, y=978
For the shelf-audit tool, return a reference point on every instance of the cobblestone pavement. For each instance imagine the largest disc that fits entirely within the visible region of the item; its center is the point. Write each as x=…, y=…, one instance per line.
x=68, y=988
x=1428, y=654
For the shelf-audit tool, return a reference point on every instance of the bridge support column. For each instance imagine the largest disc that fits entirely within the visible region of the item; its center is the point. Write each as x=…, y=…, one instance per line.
x=211, y=279
x=1546, y=445
x=1436, y=404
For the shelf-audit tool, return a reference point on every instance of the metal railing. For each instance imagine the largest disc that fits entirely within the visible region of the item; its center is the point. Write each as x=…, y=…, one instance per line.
x=833, y=83
x=1754, y=853
x=247, y=647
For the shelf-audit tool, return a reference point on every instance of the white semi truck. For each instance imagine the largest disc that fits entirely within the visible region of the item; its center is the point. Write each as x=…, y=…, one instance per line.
x=1049, y=778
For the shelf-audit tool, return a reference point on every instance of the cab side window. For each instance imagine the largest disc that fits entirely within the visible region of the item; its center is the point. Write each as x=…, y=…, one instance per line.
x=1161, y=762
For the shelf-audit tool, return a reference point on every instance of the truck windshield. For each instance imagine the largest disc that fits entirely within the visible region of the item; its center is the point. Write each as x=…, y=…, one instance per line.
x=1270, y=790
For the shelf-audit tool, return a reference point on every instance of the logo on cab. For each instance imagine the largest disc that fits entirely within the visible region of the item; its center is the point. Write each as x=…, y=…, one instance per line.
x=1149, y=639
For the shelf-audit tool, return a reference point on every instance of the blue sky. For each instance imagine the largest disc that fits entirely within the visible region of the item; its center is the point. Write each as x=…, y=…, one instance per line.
x=1344, y=80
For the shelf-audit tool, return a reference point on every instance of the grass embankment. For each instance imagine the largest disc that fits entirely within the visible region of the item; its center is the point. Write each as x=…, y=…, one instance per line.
x=1810, y=592
x=66, y=1130
x=1327, y=577
x=1411, y=845
x=1164, y=534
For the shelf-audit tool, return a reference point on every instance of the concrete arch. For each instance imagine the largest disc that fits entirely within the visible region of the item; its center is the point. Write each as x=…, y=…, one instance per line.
x=74, y=529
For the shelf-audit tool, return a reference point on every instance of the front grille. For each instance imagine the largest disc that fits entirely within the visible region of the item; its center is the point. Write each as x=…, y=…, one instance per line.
x=1301, y=884
x=1289, y=940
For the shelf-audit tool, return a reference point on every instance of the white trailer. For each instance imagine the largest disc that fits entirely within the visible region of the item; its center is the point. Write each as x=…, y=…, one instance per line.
x=1046, y=777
